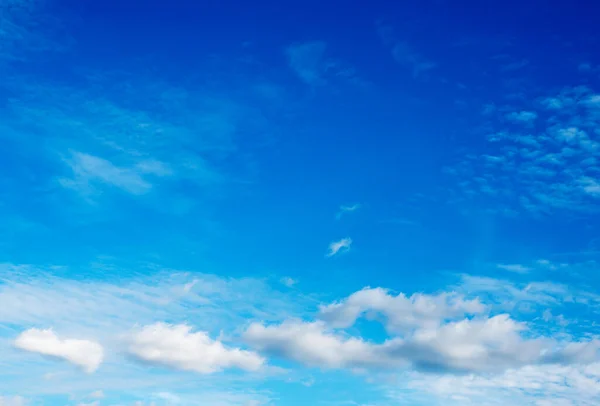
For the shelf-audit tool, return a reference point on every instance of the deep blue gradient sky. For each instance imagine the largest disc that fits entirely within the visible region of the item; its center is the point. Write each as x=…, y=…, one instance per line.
x=299, y=202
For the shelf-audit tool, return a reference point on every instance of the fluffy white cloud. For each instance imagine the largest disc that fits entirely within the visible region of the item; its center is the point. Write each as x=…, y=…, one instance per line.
x=83, y=353
x=429, y=333
x=176, y=346
x=401, y=312
x=340, y=246
x=311, y=344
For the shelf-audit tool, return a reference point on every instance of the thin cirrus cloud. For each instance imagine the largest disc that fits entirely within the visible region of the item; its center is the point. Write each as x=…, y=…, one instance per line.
x=346, y=209
x=517, y=268
x=312, y=64
x=339, y=247
x=527, y=117
x=88, y=170
x=84, y=353
x=177, y=346
x=402, y=53
x=12, y=401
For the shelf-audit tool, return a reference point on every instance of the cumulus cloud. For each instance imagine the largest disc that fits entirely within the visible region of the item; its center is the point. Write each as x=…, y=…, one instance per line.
x=176, y=346
x=84, y=353
x=445, y=332
x=337, y=247
x=491, y=344
x=402, y=313
x=311, y=344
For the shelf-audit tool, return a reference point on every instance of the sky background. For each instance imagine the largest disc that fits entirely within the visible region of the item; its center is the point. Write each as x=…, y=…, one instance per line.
x=299, y=202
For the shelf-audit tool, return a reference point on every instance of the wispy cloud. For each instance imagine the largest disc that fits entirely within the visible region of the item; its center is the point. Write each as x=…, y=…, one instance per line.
x=12, y=401
x=307, y=61
x=289, y=282
x=88, y=169
x=345, y=209
x=526, y=117
x=312, y=64
x=403, y=53
x=338, y=247
x=517, y=268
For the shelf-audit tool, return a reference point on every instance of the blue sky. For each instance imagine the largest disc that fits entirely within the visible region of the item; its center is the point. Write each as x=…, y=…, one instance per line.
x=292, y=203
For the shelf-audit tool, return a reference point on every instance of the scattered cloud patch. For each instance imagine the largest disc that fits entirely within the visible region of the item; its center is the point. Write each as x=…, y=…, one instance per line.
x=84, y=353
x=538, y=170
x=338, y=247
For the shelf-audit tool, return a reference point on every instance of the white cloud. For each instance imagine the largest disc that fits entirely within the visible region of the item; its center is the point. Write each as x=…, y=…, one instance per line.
x=522, y=116
x=88, y=169
x=310, y=63
x=108, y=309
x=12, y=401
x=347, y=209
x=340, y=246
x=539, y=169
x=540, y=385
x=306, y=59
x=176, y=346
x=492, y=344
x=84, y=353
x=404, y=55
x=402, y=313
x=310, y=344
x=97, y=394
x=517, y=268
x=287, y=281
